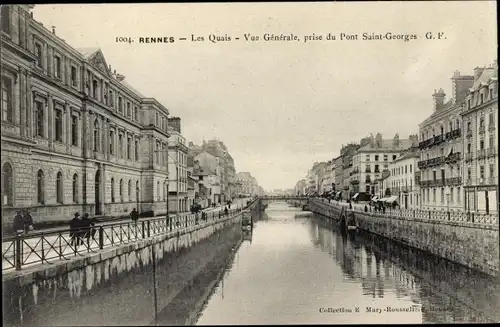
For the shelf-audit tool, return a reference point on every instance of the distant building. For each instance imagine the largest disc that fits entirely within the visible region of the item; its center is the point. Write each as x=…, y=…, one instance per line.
x=373, y=157
x=403, y=181
x=178, y=168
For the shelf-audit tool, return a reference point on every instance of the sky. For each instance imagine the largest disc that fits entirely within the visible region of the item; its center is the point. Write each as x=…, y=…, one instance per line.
x=281, y=106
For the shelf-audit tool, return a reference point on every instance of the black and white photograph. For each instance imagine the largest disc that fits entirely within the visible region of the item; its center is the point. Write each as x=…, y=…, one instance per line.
x=238, y=163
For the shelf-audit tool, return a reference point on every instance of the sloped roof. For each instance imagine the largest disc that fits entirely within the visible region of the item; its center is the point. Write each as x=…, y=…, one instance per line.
x=131, y=88
x=88, y=52
x=483, y=78
x=388, y=145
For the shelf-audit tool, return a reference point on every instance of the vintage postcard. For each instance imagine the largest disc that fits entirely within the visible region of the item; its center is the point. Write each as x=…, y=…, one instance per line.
x=250, y=163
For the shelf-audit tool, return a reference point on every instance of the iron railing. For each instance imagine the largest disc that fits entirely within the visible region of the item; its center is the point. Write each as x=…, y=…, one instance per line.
x=475, y=219
x=24, y=250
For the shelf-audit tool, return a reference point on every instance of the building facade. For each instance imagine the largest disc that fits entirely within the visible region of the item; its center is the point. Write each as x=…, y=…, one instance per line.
x=441, y=149
x=76, y=137
x=178, y=168
x=480, y=117
x=403, y=181
x=372, y=158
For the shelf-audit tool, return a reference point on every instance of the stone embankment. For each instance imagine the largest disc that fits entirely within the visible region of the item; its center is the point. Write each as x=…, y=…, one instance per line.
x=472, y=244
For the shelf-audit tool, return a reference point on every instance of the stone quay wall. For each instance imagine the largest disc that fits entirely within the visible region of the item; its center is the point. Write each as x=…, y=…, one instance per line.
x=473, y=245
x=31, y=292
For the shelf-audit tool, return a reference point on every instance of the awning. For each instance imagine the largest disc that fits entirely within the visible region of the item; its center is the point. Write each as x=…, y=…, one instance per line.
x=339, y=192
x=382, y=200
x=391, y=199
x=355, y=195
x=375, y=198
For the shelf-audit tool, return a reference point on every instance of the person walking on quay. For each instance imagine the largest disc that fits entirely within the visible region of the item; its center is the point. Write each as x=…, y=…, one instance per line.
x=134, y=215
x=366, y=208
x=226, y=211
x=75, y=225
x=383, y=209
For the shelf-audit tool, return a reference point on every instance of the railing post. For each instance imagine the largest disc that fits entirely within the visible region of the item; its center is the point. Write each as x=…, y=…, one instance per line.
x=149, y=228
x=448, y=216
x=18, y=251
x=101, y=237
x=43, y=251
x=473, y=217
x=429, y=215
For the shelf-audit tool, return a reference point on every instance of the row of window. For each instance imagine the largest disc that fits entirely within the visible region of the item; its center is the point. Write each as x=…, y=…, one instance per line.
x=452, y=196
x=427, y=174
x=425, y=134
x=482, y=170
x=376, y=157
x=479, y=97
x=399, y=170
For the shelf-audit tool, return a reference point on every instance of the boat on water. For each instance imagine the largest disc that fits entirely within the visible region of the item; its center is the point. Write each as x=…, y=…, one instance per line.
x=246, y=220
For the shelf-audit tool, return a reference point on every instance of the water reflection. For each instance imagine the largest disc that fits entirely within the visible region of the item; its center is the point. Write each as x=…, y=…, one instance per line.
x=295, y=268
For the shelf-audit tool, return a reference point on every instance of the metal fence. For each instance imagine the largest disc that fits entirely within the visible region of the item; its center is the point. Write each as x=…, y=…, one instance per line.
x=23, y=250
x=472, y=218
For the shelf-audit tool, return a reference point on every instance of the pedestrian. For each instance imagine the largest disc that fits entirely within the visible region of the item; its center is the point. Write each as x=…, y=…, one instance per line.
x=75, y=224
x=383, y=209
x=226, y=211
x=28, y=221
x=134, y=215
x=366, y=208
x=350, y=205
x=18, y=223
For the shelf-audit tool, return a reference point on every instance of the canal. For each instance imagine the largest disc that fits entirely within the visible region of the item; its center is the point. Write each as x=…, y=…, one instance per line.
x=298, y=268
x=294, y=268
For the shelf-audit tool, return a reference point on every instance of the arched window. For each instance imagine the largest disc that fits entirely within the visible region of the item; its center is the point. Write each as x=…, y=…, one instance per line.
x=7, y=184
x=40, y=185
x=75, y=188
x=59, y=188
x=129, y=191
x=137, y=191
x=158, y=190
x=112, y=190
x=96, y=135
x=121, y=190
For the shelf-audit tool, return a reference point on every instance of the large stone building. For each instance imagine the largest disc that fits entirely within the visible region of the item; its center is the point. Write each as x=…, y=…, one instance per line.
x=346, y=153
x=248, y=184
x=76, y=137
x=177, y=166
x=441, y=149
x=375, y=155
x=480, y=117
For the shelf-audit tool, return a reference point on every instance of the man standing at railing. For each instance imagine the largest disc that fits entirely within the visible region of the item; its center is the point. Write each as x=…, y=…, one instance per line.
x=19, y=223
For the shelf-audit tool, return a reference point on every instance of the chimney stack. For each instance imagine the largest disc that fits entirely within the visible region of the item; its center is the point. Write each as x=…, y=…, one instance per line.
x=438, y=99
x=175, y=123
x=120, y=77
x=53, y=29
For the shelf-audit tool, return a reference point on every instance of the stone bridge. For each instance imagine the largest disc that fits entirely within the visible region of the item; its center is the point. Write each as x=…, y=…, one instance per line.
x=298, y=201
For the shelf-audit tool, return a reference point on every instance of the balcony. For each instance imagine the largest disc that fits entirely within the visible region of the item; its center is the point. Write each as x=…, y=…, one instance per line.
x=482, y=129
x=468, y=182
x=377, y=171
x=454, y=181
x=454, y=157
x=368, y=181
x=481, y=154
x=354, y=182
x=422, y=164
x=456, y=133
x=492, y=152
x=406, y=189
x=469, y=156
x=438, y=139
x=469, y=134
x=491, y=127
x=368, y=170
x=435, y=161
